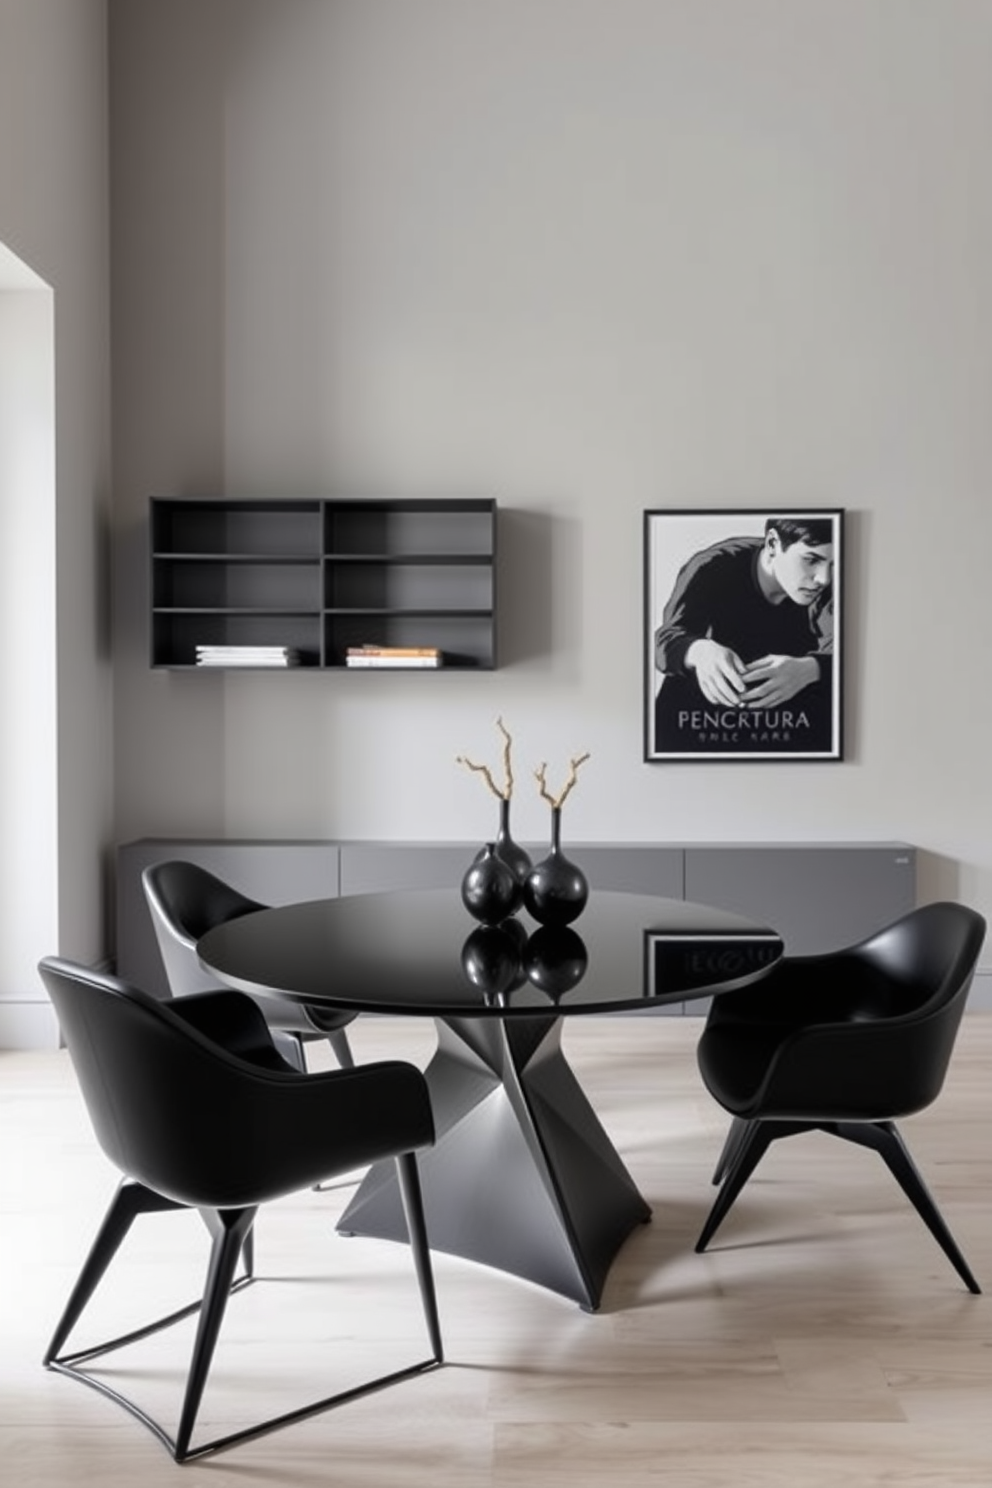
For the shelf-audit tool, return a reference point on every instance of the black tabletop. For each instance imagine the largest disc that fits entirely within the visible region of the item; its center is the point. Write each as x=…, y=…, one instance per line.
x=421, y=953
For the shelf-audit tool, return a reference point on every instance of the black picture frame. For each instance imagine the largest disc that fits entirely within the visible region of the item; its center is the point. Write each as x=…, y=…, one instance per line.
x=768, y=684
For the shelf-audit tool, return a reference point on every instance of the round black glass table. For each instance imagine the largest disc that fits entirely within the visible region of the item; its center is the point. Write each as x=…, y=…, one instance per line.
x=522, y=1175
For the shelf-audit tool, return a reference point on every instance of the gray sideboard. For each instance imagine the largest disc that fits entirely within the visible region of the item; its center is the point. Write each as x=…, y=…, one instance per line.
x=818, y=896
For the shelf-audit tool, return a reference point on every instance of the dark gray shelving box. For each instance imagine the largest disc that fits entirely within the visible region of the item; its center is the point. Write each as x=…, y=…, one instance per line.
x=322, y=575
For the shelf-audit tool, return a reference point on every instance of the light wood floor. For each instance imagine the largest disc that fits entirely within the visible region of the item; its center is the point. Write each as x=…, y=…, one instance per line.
x=824, y=1340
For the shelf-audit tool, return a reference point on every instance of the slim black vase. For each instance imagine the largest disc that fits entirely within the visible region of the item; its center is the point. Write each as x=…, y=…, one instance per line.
x=556, y=890
x=516, y=858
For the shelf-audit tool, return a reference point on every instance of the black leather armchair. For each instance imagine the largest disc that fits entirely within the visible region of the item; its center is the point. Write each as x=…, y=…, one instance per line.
x=185, y=901
x=844, y=1043
x=194, y=1105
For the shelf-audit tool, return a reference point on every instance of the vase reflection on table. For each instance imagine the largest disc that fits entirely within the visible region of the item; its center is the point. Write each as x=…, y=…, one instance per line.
x=492, y=959
x=555, y=960
x=500, y=959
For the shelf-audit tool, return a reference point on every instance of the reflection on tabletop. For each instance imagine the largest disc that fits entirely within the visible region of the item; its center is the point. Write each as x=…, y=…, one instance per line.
x=499, y=959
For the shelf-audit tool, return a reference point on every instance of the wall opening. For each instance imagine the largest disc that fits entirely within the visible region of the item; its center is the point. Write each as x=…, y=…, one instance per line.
x=28, y=697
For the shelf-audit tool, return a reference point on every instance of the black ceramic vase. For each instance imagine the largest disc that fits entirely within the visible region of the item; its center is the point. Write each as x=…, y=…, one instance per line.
x=556, y=890
x=490, y=890
x=516, y=858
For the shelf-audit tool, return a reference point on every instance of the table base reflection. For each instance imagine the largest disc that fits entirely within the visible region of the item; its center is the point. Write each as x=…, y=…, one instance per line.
x=522, y=1176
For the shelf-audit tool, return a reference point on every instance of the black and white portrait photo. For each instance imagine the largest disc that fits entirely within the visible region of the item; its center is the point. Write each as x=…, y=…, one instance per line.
x=742, y=642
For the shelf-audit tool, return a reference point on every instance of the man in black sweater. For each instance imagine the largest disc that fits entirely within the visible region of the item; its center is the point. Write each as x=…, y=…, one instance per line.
x=745, y=645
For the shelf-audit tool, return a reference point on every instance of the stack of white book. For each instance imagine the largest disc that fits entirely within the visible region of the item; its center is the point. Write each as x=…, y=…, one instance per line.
x=247, y=656
x=394, y=656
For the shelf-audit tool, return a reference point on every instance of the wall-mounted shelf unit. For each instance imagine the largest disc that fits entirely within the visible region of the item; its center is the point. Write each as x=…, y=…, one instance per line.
x=318, y=577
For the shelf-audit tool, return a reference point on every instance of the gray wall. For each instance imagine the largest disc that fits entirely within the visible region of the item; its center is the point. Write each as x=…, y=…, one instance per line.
x=589, y=258
x=54, y=218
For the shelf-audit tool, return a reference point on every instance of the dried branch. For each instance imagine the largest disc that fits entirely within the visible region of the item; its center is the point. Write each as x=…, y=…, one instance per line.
x=507, y=766
x=541, y=776
x=482, y=770
x=487, y=774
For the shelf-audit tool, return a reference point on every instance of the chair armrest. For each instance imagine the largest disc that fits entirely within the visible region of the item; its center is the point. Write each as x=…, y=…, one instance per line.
x=234, y=1021
x=269, y=1134
x=805, y=990
x=869, y=1071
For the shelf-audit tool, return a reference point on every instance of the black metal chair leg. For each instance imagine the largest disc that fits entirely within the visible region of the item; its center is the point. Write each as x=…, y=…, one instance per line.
x=413, y=1211
x=734, y=1140
x=248, y=1253
x=291, y=1047
x=342, y=1049
x=886, y=1139
x=753, y=1147
x=130, y=1200
x=338, y=1040
x=229, y=1229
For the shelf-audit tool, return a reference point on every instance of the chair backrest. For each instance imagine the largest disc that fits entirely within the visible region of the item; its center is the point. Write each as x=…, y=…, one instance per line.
x=185, y=901
x=929, y=956
x=167, y=1104
x=177, y=1111
x=893, y=1059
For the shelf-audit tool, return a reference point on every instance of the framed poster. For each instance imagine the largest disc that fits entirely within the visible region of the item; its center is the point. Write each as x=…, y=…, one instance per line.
x=743, y=635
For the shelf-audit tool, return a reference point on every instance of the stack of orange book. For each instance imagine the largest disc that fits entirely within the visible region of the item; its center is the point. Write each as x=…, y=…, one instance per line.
x=394, y=656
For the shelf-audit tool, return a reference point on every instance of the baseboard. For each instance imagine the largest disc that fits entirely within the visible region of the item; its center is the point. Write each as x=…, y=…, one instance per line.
x=28, y=1025
x=980, y=996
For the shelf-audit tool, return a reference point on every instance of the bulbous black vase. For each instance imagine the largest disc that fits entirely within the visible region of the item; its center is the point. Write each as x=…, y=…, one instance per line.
x=555, y=960
x=490, y=890
x=556, y=890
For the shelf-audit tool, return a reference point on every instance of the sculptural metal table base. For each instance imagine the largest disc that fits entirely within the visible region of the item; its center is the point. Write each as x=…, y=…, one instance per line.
x=522, y=1177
